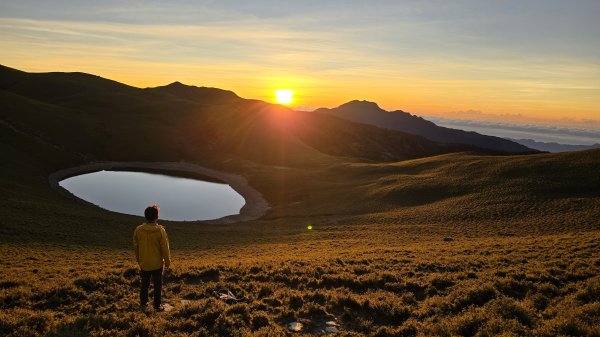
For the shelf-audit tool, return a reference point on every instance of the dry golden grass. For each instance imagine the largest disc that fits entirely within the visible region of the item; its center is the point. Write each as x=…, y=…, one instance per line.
x=374, y=284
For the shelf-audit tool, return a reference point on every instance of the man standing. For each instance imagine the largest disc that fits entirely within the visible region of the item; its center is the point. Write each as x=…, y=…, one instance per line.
x=152, y=253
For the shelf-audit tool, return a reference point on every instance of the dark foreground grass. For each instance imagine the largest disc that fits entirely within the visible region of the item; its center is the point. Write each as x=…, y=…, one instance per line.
x=401, y=286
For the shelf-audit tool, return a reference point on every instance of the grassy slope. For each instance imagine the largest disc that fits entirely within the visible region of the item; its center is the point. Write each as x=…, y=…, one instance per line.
x=523, y=260
x=517, y=263
x=184, y=122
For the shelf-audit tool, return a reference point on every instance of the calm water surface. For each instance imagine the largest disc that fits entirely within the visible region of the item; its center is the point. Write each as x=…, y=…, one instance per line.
x=179, y=198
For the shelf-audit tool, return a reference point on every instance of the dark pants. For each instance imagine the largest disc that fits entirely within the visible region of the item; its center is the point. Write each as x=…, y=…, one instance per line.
x=156, y=282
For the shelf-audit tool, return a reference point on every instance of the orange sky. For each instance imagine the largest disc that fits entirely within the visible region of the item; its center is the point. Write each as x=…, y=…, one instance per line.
x=538, y=61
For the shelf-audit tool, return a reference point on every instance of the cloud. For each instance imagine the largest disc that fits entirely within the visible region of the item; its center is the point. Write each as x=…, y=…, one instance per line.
x=542, y=133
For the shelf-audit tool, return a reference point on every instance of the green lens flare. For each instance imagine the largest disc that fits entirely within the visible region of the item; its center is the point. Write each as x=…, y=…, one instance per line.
x=309, y=227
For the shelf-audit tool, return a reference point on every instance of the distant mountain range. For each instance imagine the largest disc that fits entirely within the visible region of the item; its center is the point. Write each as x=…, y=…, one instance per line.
x=101, y=119
x=370, y=113
x=554, y=147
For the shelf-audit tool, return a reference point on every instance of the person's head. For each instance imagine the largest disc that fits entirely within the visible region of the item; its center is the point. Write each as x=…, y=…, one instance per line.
x=151, y=213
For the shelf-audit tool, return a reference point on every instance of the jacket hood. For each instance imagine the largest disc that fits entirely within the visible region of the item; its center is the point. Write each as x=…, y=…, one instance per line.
x=150, y=227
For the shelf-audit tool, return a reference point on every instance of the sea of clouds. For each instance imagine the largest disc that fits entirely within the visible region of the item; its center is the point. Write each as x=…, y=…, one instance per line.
x=540, y=133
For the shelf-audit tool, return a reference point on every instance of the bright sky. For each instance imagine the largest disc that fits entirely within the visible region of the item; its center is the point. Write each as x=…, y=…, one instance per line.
x=535, y=59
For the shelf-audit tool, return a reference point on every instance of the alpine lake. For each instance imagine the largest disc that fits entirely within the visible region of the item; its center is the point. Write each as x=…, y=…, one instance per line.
x=179, y=198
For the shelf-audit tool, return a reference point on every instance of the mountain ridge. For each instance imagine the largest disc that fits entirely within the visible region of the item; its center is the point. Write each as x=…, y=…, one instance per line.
x=193, y=93
x=198, y=121
x=554, y=146
x=370, y=113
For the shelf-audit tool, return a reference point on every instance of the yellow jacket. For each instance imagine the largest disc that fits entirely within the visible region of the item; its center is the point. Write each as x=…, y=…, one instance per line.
x=151, y=246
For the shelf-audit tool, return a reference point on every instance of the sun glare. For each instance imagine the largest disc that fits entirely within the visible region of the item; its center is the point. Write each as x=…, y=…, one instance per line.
x=284, y=96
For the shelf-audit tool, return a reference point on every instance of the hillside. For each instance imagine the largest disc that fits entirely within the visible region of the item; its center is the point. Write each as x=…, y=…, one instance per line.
x=454, y=244
x=447, y=245
x=199, y=122
x=370, y=113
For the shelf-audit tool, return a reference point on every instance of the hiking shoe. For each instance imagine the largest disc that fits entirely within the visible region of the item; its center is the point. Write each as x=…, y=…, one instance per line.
x=159, y=309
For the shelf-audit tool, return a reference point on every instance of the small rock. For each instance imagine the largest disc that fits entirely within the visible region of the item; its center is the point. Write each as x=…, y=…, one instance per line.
x=167, y=307
x=185, y=302
x=295, y=326
x=331, y=329
x=331, y=323
x=448, y=238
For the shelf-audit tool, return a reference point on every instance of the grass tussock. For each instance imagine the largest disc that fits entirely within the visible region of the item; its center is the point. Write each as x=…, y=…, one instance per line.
x=529, y=286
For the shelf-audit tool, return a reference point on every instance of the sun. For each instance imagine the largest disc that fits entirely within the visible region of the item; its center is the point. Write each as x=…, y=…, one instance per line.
x=284, y=96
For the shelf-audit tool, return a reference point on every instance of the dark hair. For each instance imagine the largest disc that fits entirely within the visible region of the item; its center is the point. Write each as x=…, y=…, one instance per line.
x=151, y=213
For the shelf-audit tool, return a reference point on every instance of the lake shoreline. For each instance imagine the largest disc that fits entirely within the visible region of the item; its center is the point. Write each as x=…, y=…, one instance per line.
x=255, y=207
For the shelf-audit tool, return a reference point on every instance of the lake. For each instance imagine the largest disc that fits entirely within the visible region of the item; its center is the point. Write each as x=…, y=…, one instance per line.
x=180, y=199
